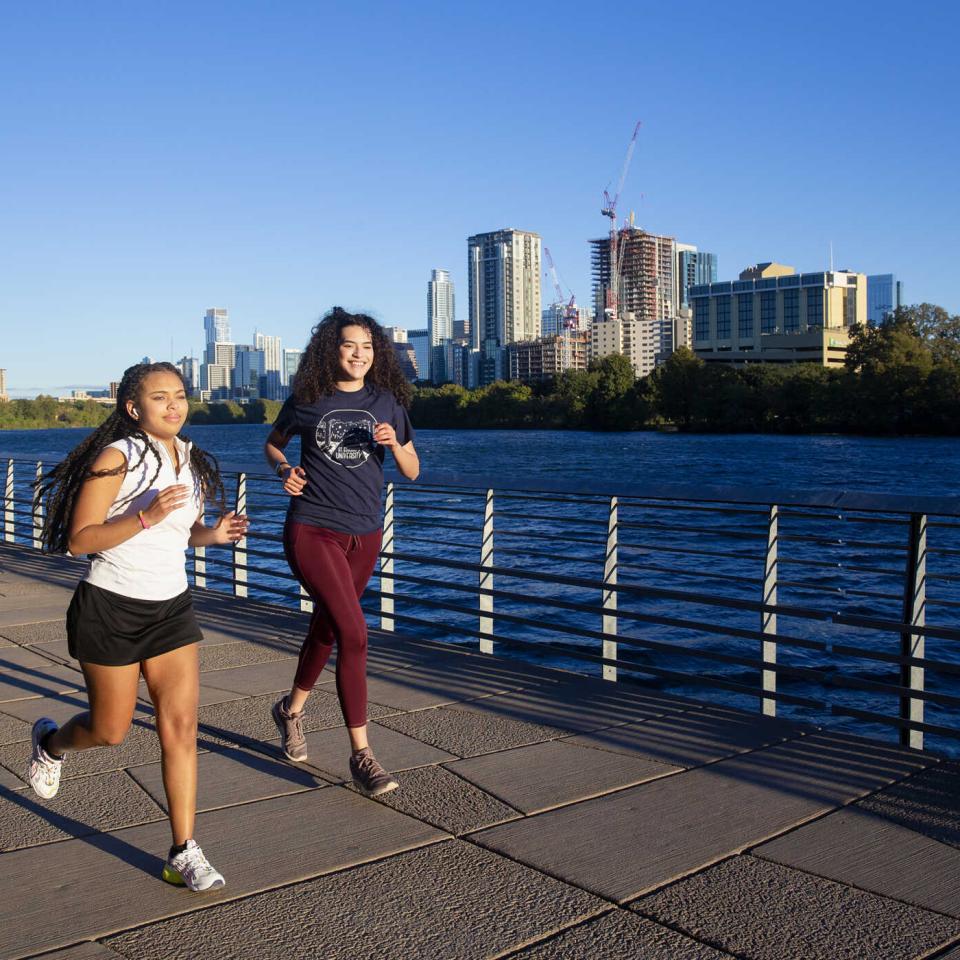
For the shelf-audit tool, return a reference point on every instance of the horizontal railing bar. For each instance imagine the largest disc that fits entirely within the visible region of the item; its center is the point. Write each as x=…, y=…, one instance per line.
x=841, y=518
x=680, y=528
x=694, y=552
x=839, y=565
x=839, y=710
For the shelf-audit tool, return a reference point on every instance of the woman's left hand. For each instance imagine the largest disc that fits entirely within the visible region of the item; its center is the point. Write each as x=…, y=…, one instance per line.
x=232, y=527
x=385, y=435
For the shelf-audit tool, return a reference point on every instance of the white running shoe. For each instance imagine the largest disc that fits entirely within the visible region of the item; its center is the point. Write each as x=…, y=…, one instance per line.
x=43, y=771
x=190, y=868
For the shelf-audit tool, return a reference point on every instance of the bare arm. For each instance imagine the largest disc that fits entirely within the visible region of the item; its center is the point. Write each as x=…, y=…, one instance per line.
x=408, y=463
x=294, y=478
x=230, y=528
x=89, y=530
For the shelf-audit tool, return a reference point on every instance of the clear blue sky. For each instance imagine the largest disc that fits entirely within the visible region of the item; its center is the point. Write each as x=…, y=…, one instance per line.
x=161, y=158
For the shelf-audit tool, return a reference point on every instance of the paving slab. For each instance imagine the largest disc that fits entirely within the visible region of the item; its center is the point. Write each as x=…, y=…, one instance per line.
x=413, y=689
x=84, y=951
x=329, y=750
x=866, y=851
x=545, y=775
x=60, y=707
x=24, y=673
x=248, y=721
x=13, y=729
x=10, y=782
x=660, y=831
x=81, y=807
x=764, y=911
x=445, y=800
x=53, y=650
x=691, y=739
x=620, y=935
x=21, y=612
x=432, y=904
x=228, y=775
x=928, y=802
x=339, y=830
x=241, y=653
x=574, y=706
x=44, y=631
x=466, y=733
x=275, y=676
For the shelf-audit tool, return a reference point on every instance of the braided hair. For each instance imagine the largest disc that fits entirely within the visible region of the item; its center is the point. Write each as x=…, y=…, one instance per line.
x=62, y=485
x=319, y=368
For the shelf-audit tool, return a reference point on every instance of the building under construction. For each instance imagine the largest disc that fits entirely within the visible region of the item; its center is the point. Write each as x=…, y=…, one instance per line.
x=646, y=282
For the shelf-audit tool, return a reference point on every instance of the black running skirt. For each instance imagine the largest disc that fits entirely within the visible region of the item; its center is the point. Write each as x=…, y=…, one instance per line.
x=112, y=630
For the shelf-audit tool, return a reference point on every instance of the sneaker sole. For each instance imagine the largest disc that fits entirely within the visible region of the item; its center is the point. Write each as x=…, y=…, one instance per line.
x=174, y=878
x=379, y=791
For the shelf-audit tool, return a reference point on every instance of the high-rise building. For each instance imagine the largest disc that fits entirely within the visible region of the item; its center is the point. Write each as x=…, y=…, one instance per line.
x=884, y=295
x=291, y=360
x=216, y=325
x=637, y=340
x=503, y=268
x=190, y=368
x=215, y=381
x=647, y=291
x=396, y=334
x=693, y=267
x=775, y=315
x=247, y=371
x=272, y=364
x=4, y=396
x=440, y=306
x=534, y=360
x=419, y=341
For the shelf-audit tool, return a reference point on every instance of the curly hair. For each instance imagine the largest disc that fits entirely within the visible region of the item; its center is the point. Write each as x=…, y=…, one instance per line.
x=62, y=485
x=319, y=368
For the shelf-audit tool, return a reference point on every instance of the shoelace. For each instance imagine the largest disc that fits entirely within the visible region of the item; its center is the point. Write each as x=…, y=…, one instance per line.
x=368, y=764
x=297, y=721
x=196, y=861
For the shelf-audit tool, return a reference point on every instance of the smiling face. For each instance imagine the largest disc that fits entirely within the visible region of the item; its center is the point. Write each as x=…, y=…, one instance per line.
x=161, y=405
x=356, y=354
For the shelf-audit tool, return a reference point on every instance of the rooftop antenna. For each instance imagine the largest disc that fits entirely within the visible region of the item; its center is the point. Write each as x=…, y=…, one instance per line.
x=831, y=256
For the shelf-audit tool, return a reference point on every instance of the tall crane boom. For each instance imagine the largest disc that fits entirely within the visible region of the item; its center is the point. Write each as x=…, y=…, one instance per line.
x=609, y=210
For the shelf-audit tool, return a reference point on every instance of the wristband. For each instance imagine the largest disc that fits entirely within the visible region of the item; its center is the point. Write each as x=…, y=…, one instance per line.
x=143, y=523
x=280, y=466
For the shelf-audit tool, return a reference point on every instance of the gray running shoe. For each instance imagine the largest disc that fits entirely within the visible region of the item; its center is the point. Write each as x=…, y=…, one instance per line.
x=292, y=741
x=369, y=775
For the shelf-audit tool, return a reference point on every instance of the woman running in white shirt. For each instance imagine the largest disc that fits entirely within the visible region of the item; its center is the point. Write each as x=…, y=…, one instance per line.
x=131, y=495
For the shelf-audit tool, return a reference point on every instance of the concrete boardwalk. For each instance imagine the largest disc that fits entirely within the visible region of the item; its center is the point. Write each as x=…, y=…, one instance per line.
x=539, y=815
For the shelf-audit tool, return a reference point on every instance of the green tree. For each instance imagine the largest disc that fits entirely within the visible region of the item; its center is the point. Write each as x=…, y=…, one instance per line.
x=673, y=386
x=608, y=407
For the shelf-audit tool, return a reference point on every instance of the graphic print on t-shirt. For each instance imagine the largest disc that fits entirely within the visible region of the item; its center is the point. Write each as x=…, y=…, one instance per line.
x=346, y=437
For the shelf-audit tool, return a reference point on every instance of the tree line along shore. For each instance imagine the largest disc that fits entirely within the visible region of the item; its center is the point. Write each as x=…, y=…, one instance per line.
x=901, y=377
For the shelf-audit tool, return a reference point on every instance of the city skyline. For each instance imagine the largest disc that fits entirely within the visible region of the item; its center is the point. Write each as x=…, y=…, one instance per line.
x=146, y=192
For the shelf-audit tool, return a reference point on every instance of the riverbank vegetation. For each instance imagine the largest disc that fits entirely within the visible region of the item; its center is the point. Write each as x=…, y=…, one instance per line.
x=902, y=377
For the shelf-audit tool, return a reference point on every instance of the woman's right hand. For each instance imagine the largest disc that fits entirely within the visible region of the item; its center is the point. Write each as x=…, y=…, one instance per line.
x=294, y=480
x=166, y=501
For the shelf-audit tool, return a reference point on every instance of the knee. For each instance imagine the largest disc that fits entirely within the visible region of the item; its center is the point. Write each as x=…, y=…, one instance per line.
x=109, y=735
x=354, y=640
x=178, y=728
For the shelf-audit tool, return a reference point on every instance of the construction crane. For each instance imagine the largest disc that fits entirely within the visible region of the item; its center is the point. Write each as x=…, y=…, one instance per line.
x=609, y=210
x=571, y=315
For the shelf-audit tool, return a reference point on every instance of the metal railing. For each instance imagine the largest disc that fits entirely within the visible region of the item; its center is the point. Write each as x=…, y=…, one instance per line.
x=803, y=604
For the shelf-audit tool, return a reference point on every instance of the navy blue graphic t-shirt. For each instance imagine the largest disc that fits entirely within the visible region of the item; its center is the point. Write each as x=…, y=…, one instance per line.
x=344, y=466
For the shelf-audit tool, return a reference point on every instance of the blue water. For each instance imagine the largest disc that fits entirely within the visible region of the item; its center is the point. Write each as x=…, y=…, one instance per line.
x=828, y=562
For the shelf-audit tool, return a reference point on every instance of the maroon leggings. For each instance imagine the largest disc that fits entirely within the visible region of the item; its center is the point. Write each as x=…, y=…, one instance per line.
x=334, y=569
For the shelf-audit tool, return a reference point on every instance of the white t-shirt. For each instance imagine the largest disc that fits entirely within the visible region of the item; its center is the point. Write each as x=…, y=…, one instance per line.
x=150, y=565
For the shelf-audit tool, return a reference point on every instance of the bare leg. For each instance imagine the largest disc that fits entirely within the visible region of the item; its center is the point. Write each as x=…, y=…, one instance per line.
x=112, y=694
x=296, y=699
x=358, y=737
x=173, y=680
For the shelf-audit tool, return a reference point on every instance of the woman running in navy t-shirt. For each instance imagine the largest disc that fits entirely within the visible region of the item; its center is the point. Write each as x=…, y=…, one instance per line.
x=348, y=405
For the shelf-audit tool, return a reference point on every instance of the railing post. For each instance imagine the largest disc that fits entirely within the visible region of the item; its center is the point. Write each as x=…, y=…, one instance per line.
x=914, y=614
x=386, y=563
x=37, y=509
x=9, y=517
x=768, y=620
x=200, y=568
x=240, y=547
x=486, y=579
x=610, y=596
